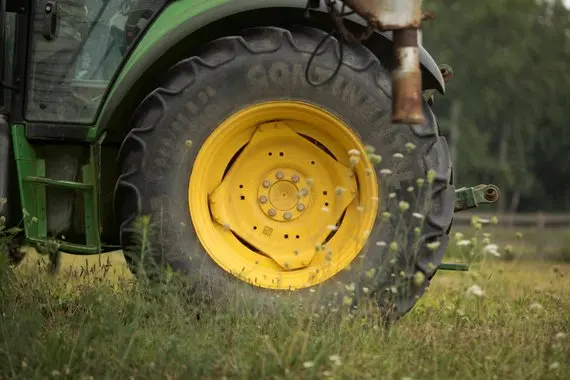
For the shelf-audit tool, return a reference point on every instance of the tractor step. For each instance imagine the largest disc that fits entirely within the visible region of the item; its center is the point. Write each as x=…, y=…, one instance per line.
x=471, y=197
x=59, y=183
x=32, y=173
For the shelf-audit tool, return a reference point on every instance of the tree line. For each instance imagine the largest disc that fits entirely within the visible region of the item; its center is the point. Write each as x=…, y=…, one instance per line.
x=506, y=110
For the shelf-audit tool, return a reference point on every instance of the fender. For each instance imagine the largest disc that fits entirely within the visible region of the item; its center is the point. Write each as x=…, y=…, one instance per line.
x=192, y=22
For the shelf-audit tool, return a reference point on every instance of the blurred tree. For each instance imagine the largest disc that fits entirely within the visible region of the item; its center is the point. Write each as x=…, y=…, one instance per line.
x=511, y=60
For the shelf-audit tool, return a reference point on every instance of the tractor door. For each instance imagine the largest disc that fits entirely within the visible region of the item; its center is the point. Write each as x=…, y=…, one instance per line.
x=77, y=47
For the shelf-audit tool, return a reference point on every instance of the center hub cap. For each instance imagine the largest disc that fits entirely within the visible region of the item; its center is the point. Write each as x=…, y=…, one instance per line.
x=283, y=195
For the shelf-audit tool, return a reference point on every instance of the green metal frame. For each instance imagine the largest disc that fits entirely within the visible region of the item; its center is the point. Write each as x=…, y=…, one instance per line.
x=33, y=183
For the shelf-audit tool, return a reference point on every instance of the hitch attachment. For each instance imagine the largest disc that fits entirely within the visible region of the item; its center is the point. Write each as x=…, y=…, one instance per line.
x=471, y=197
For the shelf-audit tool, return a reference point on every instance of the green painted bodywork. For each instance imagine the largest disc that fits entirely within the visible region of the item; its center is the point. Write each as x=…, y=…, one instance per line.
x=174, y=15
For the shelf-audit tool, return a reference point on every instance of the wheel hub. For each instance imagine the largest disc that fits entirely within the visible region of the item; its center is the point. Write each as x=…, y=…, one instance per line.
x=283, y=195
x=275, y=198
x=282, y=215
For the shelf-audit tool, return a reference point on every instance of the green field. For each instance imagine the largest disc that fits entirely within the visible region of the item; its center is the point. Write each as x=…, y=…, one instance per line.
x=91, y=322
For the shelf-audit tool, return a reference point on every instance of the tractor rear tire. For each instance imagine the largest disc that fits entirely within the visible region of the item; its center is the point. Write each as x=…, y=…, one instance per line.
x=170, y=156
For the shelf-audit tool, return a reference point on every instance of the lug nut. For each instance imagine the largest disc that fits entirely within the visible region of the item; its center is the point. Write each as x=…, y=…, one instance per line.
x=300, y=207
x=287, y=215
x=263, y=199
x=266, y=183
x=304, y=192
x=295, y=178
x=271, y=212
x=279, y=175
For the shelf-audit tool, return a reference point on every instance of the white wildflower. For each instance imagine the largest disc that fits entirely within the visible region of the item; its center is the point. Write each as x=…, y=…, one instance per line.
x=475, y=290
x=463, y=243
x=419, y=278
x=335, y=359
x=433, y=245
x=365, y=290
x=308, y=364
x=404, y=206
x=554, y=365
x=560, y=335
x=409, y=146
x=380, y=244
x=375, y=159
x=354, y=152
x=492, y=249
x=354, y=160
x=385, y=171
x=417, y=215
x=398, y=155
x=536, y=306
x=392, y=195
x=458, y=236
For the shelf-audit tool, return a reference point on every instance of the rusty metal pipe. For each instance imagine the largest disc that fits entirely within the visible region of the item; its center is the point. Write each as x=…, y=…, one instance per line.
x=406, y=79
x=404, y=18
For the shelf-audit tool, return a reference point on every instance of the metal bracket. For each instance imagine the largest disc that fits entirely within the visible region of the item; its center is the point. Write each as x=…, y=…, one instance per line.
x=454, y=267
x=471, y=197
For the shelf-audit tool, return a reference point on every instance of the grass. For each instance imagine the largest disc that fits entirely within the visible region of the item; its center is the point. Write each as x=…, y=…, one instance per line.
x=505, y=319
x=552, y=244
x=93, y=322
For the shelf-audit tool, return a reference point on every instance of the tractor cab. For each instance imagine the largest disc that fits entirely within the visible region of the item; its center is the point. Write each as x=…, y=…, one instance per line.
x=74, y=50
x=58, y=61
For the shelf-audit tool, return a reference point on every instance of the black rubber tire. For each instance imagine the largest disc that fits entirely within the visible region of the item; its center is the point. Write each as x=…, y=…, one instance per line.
x=155, y=164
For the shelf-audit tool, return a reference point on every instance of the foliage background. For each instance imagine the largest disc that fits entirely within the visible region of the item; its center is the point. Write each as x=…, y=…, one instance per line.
x=505, y=110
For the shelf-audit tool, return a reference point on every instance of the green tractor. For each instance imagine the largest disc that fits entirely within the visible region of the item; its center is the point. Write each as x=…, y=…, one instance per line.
x=272, y=145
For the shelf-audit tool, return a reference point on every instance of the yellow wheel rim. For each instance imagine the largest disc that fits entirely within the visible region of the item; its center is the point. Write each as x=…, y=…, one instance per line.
x=271, y=205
